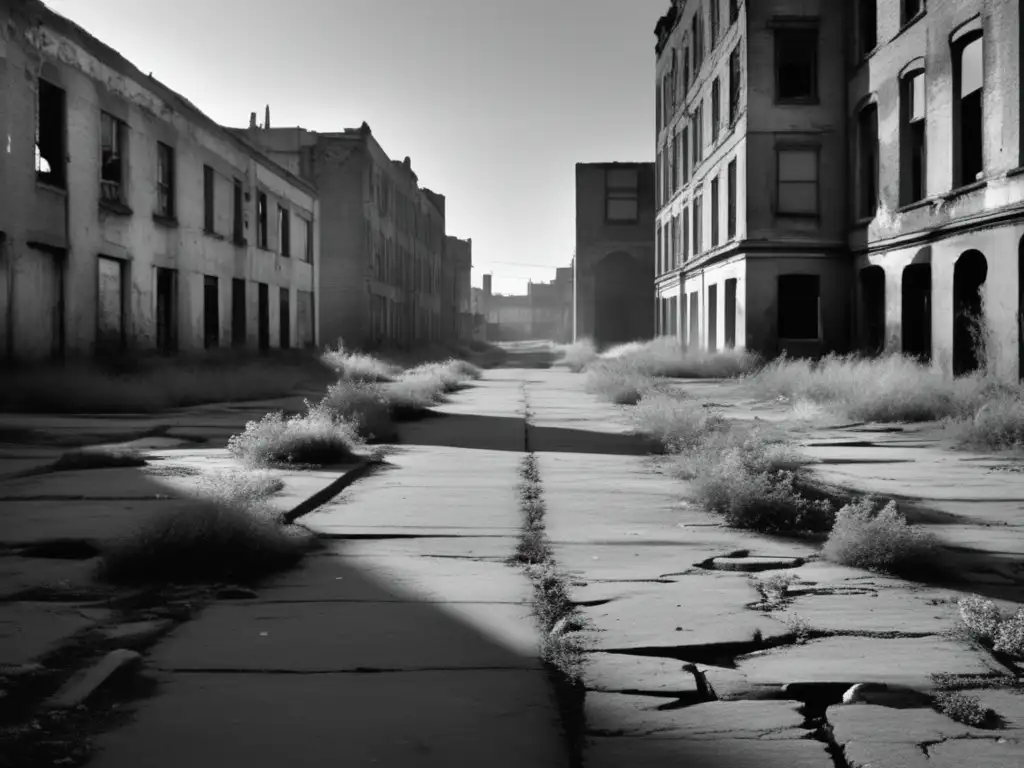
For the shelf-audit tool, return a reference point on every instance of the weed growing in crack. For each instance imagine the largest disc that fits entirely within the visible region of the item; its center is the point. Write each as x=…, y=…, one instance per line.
x=880, y=541
x=965, y=709
x=983, y=622
x=799, y=628
x=944, y=681
x=773, y=590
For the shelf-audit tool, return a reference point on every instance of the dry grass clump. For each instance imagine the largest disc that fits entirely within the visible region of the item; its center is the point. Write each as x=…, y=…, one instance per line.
x=986, y=623
x=618, y=382
x=317, y=437
x=227, y=533
x=880, y=540
x=965, y=709
x=998, y=424
x=357, y=366
x=673, y=422
x=576, y=356
x=152, y=385
x=667, y=357
x=751, y=480
x=364, y=404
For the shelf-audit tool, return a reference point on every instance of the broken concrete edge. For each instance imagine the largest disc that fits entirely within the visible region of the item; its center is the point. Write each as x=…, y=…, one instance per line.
x=81, y=686
x=562, y=654
x=321, y=497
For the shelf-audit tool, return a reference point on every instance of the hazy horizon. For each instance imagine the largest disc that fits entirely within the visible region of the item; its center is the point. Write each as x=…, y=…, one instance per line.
x=494, y=102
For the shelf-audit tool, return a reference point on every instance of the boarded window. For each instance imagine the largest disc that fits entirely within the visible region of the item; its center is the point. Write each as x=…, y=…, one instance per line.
x=622, y=186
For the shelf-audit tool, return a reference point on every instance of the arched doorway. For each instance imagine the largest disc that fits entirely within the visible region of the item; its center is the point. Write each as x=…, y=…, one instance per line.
x=872, y=302
x=968, y=281
x=623, y=300
x=916, y=316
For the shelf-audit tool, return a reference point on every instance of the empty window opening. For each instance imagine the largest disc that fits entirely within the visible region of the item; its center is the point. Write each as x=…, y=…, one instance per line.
x=916, y=319
x=796, y=64
x=166, y=310
x=730, y=313
x=712, y=318
x=164, y=180
x=209, y=192
x=261, y=220
x=867, y=25
x=112, y=152
x=263, y=317
x=730, y=223
x=734, y=84
x=969, y=276
x=286, y=319
x=694, y=320
x=211, y=312
x=872, y=294
x=50, y=128
x=867, y=140
x=714, y=212
x=799, y=303
x=913, y=144
x=284, y=231
x=968, y=82
x=238, y=312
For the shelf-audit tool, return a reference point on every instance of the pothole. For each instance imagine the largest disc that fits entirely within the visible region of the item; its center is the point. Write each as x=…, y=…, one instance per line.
x=749, y=564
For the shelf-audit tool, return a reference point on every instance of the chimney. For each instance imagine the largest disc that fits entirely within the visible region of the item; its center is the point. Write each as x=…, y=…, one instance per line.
x=487, y=285
x=266, y=119
x=252, y=120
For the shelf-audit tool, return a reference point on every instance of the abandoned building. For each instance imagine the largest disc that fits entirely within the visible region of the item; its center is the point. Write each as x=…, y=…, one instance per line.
x=382, y=235
x=937, y=211
x=841, y=176
x=457, y=312
x=750, y=120
x=543, y=312
x=613, y=269
x=129, y=220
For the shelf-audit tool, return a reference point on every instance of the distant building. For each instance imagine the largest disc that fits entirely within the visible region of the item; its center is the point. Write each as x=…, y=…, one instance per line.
x=382, y=236
x=544, y=312
x=614, y=263
x=459, y=260
x=751, y=192
x=129, y=220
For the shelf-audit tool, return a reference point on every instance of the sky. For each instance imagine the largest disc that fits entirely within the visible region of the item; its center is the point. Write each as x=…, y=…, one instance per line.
x=495, y=101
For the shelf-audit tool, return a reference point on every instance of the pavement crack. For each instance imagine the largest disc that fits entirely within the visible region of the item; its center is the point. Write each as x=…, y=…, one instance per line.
x=926, y=746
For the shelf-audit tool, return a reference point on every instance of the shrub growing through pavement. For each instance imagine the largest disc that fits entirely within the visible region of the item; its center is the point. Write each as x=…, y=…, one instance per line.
x=981, y=617
x=227, y=533
x=364, y=404
x=315, y=438
x=673, y=422
x=357, y=366
x=880, y=541
x=965, y=709
x=618, y=382
x=576, y=356
x=665, y=356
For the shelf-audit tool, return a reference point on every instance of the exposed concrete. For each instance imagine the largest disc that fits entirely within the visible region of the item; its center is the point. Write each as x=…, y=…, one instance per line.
x=80, y=688
x=30, y=630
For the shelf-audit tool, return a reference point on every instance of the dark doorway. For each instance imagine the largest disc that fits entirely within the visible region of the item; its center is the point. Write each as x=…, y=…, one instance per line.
x=263, y=317
x=623, y=300
x=238, y=310
x=916, y=319
x=968, y=281
x=211, y=312
x=166, y=310
x=799, y=313
x=684, y=337
x=286, y=320
x=730, y=313
x=712, y=318
x=110, y=330
x=872, y=301
x=694, y=320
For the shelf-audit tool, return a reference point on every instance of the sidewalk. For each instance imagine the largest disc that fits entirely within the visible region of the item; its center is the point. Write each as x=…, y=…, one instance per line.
x=409, y=642
x=636, y=548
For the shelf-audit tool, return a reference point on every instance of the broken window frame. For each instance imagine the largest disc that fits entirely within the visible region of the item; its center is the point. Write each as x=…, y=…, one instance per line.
x=797, y=45
x=261, y=220
x=164, y=181
x=113, y=138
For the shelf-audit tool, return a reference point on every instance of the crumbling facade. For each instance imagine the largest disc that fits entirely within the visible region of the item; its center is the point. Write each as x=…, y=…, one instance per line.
x=129, y=220
x=752, y=210
x=937, y=165
x=613, y=269
x=383, y=236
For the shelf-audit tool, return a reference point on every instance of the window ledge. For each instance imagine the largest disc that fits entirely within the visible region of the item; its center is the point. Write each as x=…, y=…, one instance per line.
x=924, y=202
x=239, y=241
x=165, y=221
x=211, y=233
x=115, y=207
x=965, y=189
x=863, y=221
x=912, y=21
x=52, y=188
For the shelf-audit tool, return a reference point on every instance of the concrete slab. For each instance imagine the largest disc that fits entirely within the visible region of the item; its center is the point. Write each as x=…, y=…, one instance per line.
x=886, y=610
x=495, y=547
x=23, y=522
x=119, y=483
x=905, y=661
x=29, y=630
x=333, y=636
x=18, y=574
x=724, y=752
x=500, y=718
x=621, y=673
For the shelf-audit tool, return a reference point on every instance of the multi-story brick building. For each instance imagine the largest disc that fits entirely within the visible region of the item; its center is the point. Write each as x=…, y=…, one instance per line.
x=129, y=220
x=751, y=224
x=614, y=263
x=458, y=270
x=937, y=167
x=382, y=235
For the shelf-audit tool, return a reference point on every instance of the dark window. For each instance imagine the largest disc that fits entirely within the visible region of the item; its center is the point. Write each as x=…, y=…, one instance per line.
x=867, y=25
x=697, y=38
x=657, y=107
x=730, y=313
x=238, y=312
x=867, y=140
x=50, y=128
x=716, y=108
x=715, y=22
x=684, y=153
x=164, y=180
x=698, y=135
x=798, y=303
x=209, y=188
x=712, y=318
x=968, y=89
x=284, y=231
x=686, y=234
x=714, y=211
x=166, y=310
x=622, y=187
x=698, y=246
x=657, y=185
x=686, y=72
x=796, y=64
x=211, y=313
x=674, y=162
x=910, y=9
x=913, y=143
x=263, y=316
x=286, y=319
x=675, y=242
x=730, y=221
x=238, y=223
x=309, y=240
x=734, y=84
x=798, y=182
x=657, y=248
x=261, y=220
x=112, y=149
x=734, y=11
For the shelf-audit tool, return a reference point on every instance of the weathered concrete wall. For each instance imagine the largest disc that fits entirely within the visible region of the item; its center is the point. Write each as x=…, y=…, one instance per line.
x=597, y=240
x=95, y=79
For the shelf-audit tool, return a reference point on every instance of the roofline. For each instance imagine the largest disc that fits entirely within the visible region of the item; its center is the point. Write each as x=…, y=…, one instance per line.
x=35, y=11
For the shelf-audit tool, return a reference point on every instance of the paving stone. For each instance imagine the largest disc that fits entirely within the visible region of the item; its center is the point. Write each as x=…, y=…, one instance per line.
x=888, y=610
x=24, y=522
x=29, y=630
x=622, y=673
x=660, y=752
